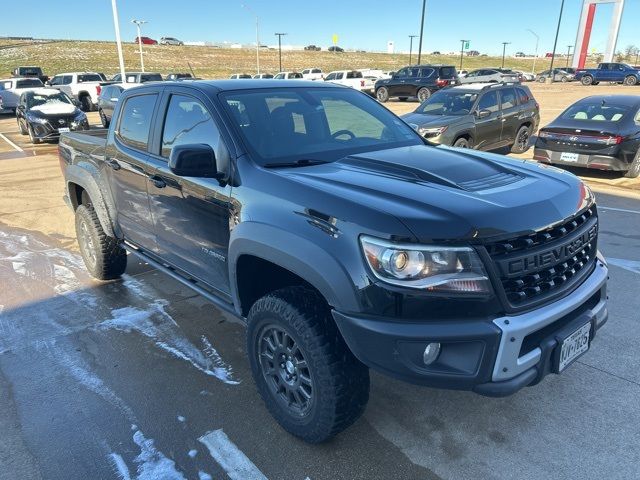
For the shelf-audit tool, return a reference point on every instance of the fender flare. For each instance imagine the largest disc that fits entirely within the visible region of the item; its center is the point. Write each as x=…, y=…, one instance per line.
x=302, y=257
x=82, y=176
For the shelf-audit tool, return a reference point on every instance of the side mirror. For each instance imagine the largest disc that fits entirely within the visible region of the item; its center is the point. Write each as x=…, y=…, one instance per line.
x=194, y=160
x=76, y=102
x=483, y=113
x=47, y=83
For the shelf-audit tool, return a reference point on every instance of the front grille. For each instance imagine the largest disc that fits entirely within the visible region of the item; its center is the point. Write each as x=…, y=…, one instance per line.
x=536, y=266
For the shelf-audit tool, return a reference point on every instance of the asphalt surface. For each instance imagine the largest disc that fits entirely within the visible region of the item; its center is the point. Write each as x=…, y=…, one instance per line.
x=143, y=379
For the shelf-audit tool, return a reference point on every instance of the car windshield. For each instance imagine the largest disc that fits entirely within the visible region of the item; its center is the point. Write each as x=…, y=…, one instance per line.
x=313, y=124
x=38, y=99
x=448, y=102
x=596, y=112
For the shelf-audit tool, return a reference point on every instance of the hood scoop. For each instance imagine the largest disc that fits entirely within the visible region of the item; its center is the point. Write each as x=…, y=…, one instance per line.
x=463, y=171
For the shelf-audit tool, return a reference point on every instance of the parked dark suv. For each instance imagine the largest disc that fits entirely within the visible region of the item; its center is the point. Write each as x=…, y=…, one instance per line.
x=484, y=117
x=416, y=81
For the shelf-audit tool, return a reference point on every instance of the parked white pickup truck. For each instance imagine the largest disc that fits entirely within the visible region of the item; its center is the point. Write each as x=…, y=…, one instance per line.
x=12, y=88
x=353, y=79
x=83, y=86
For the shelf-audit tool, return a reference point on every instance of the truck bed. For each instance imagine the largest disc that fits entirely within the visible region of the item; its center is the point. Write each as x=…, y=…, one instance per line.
x=88, y=142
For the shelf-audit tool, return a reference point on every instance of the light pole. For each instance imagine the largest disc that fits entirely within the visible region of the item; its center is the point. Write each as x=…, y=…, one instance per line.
x=116, y=25
x=424, y=6
x=246, y=7
x=504, y=49
x=280, y=35
x=555, y=43
x=411, y=37
x=569, y=47
x=462, y=43
x=535, y=56
x=138, y=23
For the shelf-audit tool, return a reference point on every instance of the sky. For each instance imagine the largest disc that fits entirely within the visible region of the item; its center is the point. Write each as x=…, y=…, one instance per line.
x=360, y=24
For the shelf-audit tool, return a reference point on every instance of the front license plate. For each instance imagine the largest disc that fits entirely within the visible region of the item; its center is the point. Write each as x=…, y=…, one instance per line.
x=63, y=130
x=569, y=157
x=573, y=346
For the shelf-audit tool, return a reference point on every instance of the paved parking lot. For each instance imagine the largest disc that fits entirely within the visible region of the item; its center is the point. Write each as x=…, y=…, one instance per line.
x=141, y=378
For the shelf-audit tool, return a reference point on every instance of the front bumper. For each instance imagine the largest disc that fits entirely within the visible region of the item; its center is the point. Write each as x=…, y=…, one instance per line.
x=46, y=131
x=490, y=356
x=597, y=161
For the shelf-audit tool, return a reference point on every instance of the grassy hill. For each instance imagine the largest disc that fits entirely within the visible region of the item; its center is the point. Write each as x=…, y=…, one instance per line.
x=210, y=62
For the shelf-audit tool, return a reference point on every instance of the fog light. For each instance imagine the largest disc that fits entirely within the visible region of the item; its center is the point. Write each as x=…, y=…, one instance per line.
x=431, y=353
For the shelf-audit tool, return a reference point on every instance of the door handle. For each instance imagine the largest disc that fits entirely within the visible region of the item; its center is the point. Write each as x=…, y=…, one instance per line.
x=113, y=163
x=157, y=181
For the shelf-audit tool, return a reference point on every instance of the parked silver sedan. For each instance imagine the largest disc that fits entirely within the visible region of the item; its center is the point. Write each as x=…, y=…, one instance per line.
x=490, y=75
x=559, y=75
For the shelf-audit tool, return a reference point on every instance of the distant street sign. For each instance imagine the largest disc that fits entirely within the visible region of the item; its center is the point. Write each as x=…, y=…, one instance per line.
x=334, y=38
x=466, y=45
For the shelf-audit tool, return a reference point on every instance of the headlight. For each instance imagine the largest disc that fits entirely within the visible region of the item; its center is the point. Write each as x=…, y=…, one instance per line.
x=426, y=267
x=35, y=119
x=431, y=132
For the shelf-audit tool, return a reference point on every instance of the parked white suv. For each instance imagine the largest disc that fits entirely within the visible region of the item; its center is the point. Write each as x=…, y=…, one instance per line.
x=12, y=88
x=312, y=74
x=83, y=86
x=288, y=76
x=353, y=79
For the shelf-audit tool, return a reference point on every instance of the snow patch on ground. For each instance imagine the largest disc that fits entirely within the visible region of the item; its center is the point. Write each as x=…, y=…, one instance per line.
x=181, y=418
x=152, y=463
x=193, y=453
x=204, y=475
x=121, y=468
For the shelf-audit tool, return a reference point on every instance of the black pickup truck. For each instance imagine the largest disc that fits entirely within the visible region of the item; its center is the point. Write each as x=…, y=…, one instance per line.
x=343, y=239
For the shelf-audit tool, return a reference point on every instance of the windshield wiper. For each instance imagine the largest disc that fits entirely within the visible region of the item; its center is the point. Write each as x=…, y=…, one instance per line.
x=303, y=162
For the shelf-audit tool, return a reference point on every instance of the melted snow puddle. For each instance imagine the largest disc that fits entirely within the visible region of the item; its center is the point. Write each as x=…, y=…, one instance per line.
x=64, y=273
x=151, y=463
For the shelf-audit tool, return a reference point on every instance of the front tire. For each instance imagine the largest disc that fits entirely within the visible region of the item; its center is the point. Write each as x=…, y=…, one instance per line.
x=308, y=378
x=103, y=256
x=630, y=80
x=382, y=94
x=423, y=94
x=462, y=143
x=32, y=135
x=23, y=130
x=523, y=136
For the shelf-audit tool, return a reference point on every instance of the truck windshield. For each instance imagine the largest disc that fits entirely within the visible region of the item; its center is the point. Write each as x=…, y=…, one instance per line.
x=321, y=124
x=448, y=102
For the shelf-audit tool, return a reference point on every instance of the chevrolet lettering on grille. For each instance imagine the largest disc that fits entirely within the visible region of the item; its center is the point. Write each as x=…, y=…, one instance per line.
x=548, y=257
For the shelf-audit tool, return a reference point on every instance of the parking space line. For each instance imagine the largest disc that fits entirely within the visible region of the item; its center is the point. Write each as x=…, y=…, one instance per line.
x=619, y=210
x=16, y=147
x=235, y=463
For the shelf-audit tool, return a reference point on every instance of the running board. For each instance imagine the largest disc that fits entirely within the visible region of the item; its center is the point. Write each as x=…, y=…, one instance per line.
x=218, y=302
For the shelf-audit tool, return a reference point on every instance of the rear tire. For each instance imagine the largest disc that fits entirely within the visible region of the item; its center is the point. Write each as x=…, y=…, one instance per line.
x=523, y=136
x=103, y=256
x=587, y=80
x=85, y=103
x=423, y=94
x=634, y=168
x=103, y=119
x=541, y=79
x=564, y=79
x=382, y=94
x=630, y=80
x=308, y=378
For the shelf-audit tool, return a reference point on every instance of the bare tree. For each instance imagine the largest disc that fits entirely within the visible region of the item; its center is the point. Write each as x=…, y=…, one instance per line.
x=630, y=51
x=620, y=57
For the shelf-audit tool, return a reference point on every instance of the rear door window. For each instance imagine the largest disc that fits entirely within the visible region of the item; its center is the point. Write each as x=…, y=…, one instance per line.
x=135, y=121
x=427, y=72
x=489, y=101
x=508, y=98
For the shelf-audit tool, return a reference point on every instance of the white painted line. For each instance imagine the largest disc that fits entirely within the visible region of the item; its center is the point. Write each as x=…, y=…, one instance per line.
x=618, y=209
x=229, y=457
x=16, y=147
x=631, y=265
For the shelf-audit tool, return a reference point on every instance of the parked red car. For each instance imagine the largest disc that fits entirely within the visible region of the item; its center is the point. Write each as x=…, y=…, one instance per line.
x=146, y=41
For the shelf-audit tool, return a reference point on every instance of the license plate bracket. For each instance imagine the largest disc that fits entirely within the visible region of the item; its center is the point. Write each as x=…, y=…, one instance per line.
x=573, y=341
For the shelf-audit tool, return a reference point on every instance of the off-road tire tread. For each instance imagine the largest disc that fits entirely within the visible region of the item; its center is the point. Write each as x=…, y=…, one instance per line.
x=111, y=257
x=634, y=168
x=343, y=379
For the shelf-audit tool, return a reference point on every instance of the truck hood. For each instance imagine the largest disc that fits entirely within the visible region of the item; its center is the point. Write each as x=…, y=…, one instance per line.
x=423, y=120
x=450, y=194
